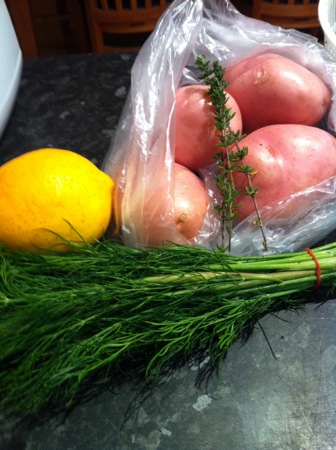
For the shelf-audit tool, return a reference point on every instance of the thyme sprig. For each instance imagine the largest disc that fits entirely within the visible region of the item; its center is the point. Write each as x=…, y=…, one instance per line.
x=69, y=322
x=232, y=158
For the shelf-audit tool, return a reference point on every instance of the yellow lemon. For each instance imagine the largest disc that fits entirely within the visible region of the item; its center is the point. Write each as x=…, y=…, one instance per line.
x=49, y=192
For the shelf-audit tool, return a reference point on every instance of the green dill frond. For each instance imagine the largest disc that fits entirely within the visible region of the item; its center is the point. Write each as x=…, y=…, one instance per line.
x=67, y=319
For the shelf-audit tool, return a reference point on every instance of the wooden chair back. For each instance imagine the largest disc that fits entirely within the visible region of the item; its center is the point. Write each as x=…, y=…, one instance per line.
x=121, y=17
x=297, y=14
x=46, y=28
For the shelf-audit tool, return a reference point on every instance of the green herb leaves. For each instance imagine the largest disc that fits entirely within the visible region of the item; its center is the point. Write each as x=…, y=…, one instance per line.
x=72, y=322
x=231, y=158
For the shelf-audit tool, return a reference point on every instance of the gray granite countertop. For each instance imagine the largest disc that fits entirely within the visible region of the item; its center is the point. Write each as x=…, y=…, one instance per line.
x=70, y=102
x=258, y=400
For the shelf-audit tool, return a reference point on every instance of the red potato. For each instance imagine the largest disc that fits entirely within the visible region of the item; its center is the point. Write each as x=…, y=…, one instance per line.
x=286, y=160
x=272, y=89
x=191, y=202
x=196, y=134
x=188, y=205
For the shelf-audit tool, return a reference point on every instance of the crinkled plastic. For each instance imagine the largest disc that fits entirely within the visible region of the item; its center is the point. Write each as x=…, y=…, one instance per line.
x=140, y=159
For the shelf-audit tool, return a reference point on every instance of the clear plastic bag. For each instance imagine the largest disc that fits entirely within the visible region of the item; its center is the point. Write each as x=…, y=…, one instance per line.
x=140, y=159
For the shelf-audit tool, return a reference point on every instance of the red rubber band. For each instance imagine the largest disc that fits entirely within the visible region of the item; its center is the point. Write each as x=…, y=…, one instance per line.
x=318, y=268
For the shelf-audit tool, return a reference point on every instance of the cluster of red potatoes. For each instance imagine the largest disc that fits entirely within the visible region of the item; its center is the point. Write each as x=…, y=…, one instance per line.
x=278, y=105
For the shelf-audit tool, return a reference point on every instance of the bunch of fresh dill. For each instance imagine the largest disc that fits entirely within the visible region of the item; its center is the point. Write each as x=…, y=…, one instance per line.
x=107, y=309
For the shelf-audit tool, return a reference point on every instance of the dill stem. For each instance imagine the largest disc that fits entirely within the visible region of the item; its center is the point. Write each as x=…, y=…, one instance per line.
x=252, y=283
x=305, y=263
x=238, y=277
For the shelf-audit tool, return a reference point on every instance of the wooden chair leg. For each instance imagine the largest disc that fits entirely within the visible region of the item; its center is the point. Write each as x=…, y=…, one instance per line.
x=22, y=21
x=78, y=22
x=97, y=40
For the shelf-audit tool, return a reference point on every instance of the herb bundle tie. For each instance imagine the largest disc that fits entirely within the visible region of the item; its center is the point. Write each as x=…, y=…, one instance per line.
x=318, y=267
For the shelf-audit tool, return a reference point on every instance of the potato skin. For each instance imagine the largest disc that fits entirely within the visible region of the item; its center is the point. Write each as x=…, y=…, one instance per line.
x=286, y=159
x=191, y=202
x=196, y=134
x=271, y=89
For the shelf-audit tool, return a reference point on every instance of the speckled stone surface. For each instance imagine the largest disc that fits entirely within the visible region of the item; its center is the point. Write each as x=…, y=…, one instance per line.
x=258, y=401
x=71, y=102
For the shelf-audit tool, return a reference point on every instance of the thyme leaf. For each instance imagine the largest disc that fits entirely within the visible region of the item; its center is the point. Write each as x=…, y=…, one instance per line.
x=231, y=158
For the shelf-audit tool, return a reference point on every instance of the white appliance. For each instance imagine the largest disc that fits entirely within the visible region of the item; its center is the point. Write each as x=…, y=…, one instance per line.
x=327, y=17
x=10, y=66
